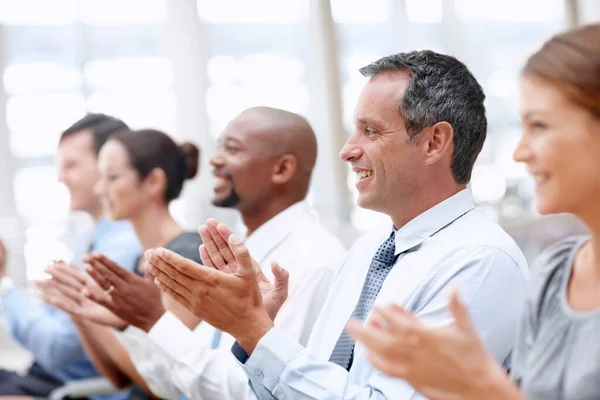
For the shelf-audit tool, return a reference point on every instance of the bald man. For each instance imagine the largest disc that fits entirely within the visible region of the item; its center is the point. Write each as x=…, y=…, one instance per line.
x=263, y=164
x=262, y=168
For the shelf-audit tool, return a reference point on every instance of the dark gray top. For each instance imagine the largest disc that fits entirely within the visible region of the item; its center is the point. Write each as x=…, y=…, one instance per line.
x=186, y=245
x=557, y=354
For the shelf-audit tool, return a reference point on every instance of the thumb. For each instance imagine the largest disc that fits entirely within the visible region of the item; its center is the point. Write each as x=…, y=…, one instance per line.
x=241, y=254
x=282, y=277
x=460, y=313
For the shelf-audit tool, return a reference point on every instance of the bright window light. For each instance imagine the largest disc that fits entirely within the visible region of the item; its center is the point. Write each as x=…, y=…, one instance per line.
x=360, y=11
x=221, y=69
x=488, y=184
x=41, y=77
x=36, y=183
x=43, y=113
x=128, y=73
x=256, y=11
x=270, y=67
x=424, y=11
x=38, y=12
x=153, y=107
x=509, y=10
x=123, y=12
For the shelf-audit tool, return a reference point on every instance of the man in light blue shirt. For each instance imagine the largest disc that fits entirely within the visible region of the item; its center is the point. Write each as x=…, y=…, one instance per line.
x=419, y=126
x=49, y=334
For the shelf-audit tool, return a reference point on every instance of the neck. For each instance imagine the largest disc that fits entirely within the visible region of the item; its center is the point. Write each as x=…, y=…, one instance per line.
x=422, y=202
x=96, y=213
x=266, y=210
x=155, y=227
x=591, y=219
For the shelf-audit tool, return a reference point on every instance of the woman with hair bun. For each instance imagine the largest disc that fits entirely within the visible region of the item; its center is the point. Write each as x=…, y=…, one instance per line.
x=141, y=172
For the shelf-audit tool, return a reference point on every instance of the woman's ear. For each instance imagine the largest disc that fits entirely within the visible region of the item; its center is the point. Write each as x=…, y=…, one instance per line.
x=155, y=183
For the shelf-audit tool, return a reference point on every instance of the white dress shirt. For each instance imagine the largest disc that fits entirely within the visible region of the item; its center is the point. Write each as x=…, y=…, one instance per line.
x=174, y=360
x=450, y=245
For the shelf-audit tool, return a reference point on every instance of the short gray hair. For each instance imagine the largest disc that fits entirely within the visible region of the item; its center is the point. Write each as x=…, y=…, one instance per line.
x=441, y=88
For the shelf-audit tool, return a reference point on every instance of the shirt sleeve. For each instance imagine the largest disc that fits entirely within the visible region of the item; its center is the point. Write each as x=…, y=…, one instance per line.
x=281, y=368
x=202, y=372
x=151, y=363
x=49, y=334
x=199, y=371
x=308, y=292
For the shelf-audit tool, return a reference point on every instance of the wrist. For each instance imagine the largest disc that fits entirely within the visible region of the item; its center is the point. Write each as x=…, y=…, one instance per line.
x=149, y=323
x=494, y=384
x=253, y=334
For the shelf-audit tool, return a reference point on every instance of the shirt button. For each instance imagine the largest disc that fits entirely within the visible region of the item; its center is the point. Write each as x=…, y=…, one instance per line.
x=259, y=375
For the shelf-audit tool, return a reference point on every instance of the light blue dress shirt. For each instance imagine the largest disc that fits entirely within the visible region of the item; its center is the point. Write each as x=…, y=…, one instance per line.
x=450, y=245
x=48, y=333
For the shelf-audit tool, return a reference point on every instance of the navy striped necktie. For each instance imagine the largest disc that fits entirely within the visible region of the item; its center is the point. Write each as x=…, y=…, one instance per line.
x=381, y=265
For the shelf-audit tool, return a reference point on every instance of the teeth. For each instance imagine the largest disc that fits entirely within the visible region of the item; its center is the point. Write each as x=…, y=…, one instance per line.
x=363, y=174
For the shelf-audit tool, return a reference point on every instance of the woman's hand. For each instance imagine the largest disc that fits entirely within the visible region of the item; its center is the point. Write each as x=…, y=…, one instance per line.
x=65, y=291
x=442, y=363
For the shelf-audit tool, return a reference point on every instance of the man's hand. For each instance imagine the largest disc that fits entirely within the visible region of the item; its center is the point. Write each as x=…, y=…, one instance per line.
x=215, y=252
x=225, y=293
x=135, y=299
x=3, y=257
x=64, y=291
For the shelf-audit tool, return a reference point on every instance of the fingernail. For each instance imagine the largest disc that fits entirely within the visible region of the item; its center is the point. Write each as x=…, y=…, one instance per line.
x=233, y=239
x=148, y=254
x=149, y=267
x=159, y=252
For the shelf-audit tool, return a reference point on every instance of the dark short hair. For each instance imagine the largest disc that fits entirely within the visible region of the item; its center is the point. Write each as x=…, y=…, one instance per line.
x=149, y=149
x=101, y=126
x=441, y=88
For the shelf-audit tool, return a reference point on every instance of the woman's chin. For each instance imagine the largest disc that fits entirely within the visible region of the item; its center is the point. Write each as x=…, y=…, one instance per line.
x=545, y=207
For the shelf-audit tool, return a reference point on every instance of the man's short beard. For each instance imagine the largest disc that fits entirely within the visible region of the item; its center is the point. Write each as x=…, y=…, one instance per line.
x=230, y=201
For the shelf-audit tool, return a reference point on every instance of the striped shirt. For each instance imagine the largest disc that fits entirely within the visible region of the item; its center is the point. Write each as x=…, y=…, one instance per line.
x=557, y=355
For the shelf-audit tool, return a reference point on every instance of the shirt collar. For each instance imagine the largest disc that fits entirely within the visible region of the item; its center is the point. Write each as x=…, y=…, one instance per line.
x=270, y=234
x=433, y=220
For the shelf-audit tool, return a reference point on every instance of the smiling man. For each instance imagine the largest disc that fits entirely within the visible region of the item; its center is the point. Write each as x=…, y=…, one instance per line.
x=419, y=126
x=262, y=168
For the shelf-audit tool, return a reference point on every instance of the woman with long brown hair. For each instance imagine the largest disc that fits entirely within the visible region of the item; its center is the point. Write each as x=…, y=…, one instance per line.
x=557, y=352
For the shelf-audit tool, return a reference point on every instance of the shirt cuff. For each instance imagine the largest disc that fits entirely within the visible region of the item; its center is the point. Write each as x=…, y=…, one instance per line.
x=172, y=335
x=239, y=353
x=270, y=358
x=132, y=337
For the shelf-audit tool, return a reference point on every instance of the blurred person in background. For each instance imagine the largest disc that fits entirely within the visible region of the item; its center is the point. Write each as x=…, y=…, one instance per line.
x=45, y=331
x=141, y=173
x=557, y=351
